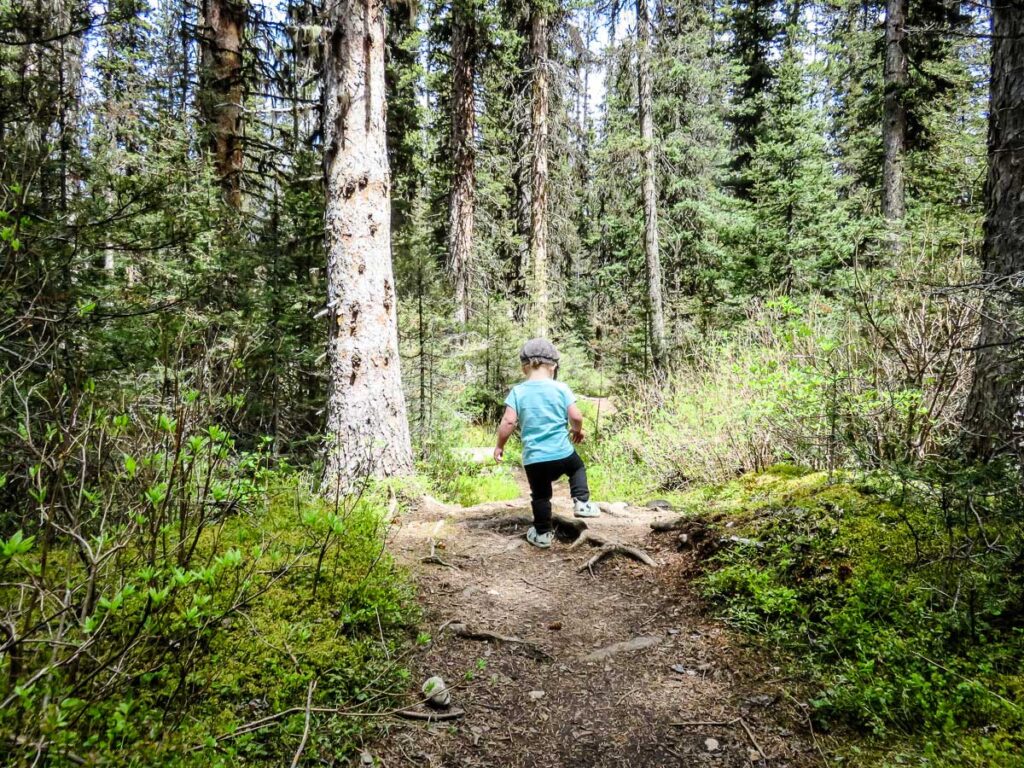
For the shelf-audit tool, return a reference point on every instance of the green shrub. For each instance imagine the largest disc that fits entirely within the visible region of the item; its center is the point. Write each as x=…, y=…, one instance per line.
x=186, y=590
x=884, y=589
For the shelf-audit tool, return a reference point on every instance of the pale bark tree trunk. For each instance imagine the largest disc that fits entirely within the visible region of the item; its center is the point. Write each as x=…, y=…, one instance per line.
x=651, y=252
x=368, y=434
x=220, y=37
x=539, y=169
x=460, y=209
x=894, y=112
x=994, y=415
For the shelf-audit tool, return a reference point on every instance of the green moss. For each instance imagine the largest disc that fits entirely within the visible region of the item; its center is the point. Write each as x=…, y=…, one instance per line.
x=254, y=657
x=863, y=591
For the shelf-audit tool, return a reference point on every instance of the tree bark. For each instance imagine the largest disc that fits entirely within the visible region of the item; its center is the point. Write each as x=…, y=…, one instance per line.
x=539, y=168
x=220, y=39
x=460, y=209
x=368, y=434
x=894, y=112
x=651, y=252
x=994, y=415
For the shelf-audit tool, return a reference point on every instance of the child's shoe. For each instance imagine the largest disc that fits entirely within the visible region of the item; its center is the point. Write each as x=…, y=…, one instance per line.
x=585, y=508
x=542, y=540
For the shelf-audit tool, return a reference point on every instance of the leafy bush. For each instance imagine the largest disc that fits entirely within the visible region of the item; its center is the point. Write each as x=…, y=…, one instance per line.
x=818, y=382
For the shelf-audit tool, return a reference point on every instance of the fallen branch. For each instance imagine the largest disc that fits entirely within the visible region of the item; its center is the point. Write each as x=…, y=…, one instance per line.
x=468, y=633
x=416, y=714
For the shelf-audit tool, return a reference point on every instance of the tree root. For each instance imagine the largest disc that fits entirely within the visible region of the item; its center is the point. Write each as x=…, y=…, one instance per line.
x=618, y=549
x=468, y=633
x=665, y=526
x=607, y=548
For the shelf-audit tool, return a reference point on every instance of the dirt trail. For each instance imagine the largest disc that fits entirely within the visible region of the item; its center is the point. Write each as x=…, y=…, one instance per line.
x=572, y=697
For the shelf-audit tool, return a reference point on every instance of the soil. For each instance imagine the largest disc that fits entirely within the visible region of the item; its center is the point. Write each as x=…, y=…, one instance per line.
x=621, y=667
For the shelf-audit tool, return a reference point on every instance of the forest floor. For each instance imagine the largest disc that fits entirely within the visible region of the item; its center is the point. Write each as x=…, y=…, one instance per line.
x=612, y=665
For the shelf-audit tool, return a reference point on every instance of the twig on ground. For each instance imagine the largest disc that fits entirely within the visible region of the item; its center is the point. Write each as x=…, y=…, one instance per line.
x=753, y=741
x=810, y=727
x=467, y=633
x=305, y=729
x=535, y=586
x=706, y=723
x=416, y=714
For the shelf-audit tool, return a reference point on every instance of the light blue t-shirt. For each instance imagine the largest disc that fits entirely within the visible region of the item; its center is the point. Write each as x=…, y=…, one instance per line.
x=543, y=410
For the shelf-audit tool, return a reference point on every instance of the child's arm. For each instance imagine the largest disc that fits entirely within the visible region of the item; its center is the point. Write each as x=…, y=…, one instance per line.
x=576, y=423
x=505, y=430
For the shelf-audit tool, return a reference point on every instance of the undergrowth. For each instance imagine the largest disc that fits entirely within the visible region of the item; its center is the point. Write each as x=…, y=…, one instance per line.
x=901, y=597
x=179, y=662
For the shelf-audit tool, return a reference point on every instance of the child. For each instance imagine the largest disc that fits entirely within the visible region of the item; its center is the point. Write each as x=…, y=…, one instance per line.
x=545, y=406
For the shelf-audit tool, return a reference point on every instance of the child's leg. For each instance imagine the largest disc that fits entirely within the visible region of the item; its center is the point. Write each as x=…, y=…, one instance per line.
x=540, y=478
x=577, y=472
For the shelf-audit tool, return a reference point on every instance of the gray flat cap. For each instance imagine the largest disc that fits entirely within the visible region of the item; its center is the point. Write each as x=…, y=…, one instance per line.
x=539, y=349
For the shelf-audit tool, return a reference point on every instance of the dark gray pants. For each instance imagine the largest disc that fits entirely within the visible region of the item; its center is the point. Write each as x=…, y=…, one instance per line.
x=542, y=474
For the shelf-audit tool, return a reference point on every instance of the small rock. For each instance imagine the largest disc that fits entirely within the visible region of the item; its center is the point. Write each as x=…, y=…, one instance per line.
x=754, y=756
x=711, y=744
x=760, y=700
x=365, y=758
x=536, y=695
x=679, y=668
x=437, y=692
x=673, y=631
x=659, y=504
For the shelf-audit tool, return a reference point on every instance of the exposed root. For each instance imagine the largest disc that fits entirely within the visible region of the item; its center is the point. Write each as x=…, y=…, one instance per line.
x=618, y=549
x=608, y=547
x=468, y=633
x=434, y=559
x=664, y=526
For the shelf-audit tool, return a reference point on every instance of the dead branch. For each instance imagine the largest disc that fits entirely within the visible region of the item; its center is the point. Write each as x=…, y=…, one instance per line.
x=305, y=729
x=416, y=714
x=468, y=633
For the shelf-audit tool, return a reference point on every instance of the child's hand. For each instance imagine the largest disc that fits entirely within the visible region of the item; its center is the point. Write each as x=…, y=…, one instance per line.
x=499, y=454
x=577, y=436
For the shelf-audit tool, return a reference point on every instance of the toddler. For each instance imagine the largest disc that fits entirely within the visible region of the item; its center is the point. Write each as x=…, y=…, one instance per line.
x=544, y=407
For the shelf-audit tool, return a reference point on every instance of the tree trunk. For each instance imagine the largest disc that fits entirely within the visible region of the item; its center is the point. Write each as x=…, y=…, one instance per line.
x=220, y=39
x=994, y=415
x=368, y=434
x=520, y=208
x=460, y=209
x=657, y=317
x=894, y=112
x=539, y=169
